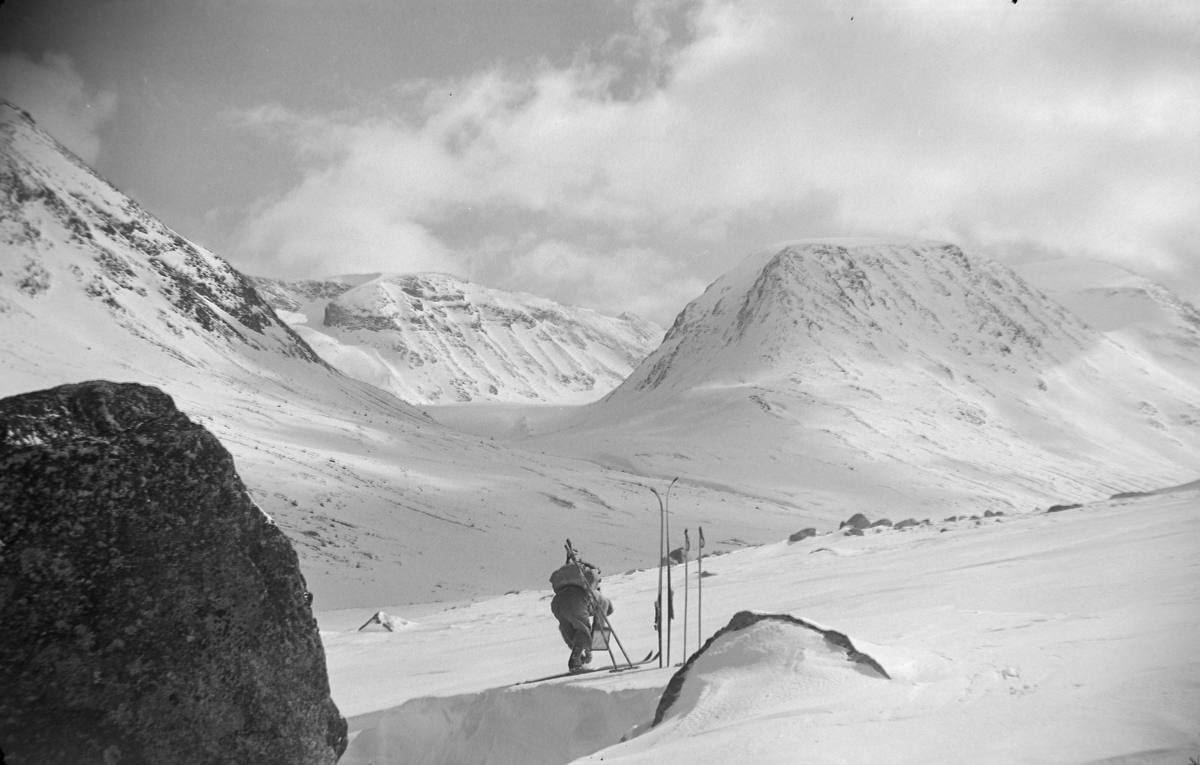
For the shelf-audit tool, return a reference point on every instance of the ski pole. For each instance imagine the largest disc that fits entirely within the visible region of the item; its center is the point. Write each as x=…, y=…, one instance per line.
x=606, y=624
x=700, y=588
x=687, y=548
x=658, y=609
x=670, y=589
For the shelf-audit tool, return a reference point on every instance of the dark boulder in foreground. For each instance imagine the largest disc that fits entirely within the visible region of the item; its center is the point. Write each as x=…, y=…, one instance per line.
x=151, y=612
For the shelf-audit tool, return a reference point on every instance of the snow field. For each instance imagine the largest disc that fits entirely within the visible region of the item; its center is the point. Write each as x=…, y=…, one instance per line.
x=1052, y=638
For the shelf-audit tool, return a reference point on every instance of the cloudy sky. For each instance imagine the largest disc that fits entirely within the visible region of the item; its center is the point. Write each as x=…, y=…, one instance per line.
x=622, y=154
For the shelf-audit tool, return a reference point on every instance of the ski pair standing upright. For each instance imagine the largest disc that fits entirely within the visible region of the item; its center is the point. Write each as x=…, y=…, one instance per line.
x=665, y=612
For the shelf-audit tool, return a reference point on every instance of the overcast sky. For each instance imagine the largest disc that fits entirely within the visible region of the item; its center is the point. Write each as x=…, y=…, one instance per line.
x=623, y=154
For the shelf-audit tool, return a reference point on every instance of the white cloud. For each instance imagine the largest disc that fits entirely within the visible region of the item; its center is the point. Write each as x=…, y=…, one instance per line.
x=58, y=99
x=635, y=279
x=1069, y=127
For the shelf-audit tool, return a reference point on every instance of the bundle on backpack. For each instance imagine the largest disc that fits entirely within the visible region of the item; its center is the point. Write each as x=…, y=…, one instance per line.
x=572, y=575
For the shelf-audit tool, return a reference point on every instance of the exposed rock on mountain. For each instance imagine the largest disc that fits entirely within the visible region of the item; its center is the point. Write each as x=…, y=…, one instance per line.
x=823, y=311
x=148, y=279
x=152, y=613
x=437, y=339
x=293, y=295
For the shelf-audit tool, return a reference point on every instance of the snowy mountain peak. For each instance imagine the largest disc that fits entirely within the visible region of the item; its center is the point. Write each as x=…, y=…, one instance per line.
x=73, y=248
x=434, y=338
x=827, y=309
x=815, y=364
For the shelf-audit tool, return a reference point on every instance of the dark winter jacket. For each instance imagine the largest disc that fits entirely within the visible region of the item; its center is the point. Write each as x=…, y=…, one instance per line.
x=574, y=608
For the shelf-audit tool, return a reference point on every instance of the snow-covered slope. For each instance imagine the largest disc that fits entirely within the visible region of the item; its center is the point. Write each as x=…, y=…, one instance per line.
x=1065, y=637
x=386, y=506
x=1140, y=314
x=382, y=504
x=67, y=233
x=908, y=377
x=436, y=339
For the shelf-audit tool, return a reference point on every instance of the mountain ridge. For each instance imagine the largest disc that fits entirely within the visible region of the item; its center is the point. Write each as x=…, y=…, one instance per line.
x=770, y=425
x=434, y=338
x=151, y=280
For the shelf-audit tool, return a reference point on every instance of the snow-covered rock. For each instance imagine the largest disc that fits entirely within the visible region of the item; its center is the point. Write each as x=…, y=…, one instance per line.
x=758, y=662
x=434, y=338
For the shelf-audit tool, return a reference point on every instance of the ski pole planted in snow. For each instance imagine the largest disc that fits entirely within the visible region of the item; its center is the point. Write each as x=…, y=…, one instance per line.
x=700, y=587
x=658, y=609
x=687, y=548
x=670, y=589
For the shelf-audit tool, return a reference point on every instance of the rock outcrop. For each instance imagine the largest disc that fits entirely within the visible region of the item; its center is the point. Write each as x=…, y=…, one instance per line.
x=152, y=613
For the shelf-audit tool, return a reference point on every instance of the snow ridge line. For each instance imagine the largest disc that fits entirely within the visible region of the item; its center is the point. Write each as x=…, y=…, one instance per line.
x=742, y=620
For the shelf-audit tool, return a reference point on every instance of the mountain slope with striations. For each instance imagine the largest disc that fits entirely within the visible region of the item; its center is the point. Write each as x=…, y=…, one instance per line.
x=146, y=278
x=437, y=339
x=875, y=375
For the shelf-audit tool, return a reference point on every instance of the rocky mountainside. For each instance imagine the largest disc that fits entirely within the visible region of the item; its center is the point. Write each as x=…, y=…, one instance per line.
x=437, y=339
x=73, y=244
x=813, y=362
x=811, y=313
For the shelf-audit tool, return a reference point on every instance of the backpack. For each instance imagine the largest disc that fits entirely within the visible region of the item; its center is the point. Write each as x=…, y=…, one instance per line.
x=573, y=575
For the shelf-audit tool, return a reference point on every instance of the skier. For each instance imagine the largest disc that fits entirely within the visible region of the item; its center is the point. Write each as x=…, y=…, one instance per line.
x=580, y=608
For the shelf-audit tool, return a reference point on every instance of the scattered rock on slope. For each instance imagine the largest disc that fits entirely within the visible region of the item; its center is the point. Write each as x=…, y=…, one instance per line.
x=803, y=534
x=856, y=521
x=152, y=613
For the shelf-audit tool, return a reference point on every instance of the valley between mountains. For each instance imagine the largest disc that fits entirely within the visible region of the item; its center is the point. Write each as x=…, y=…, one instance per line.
x=420, y=438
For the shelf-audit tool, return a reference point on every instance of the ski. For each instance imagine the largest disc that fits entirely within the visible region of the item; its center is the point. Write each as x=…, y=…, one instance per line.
x=652, y=656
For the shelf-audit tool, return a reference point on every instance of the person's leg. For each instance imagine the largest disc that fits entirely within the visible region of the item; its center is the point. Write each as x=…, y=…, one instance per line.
x=581, y=641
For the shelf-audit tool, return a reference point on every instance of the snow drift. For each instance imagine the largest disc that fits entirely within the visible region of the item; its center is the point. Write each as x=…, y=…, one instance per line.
x=550, y=724
x=757, y=662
